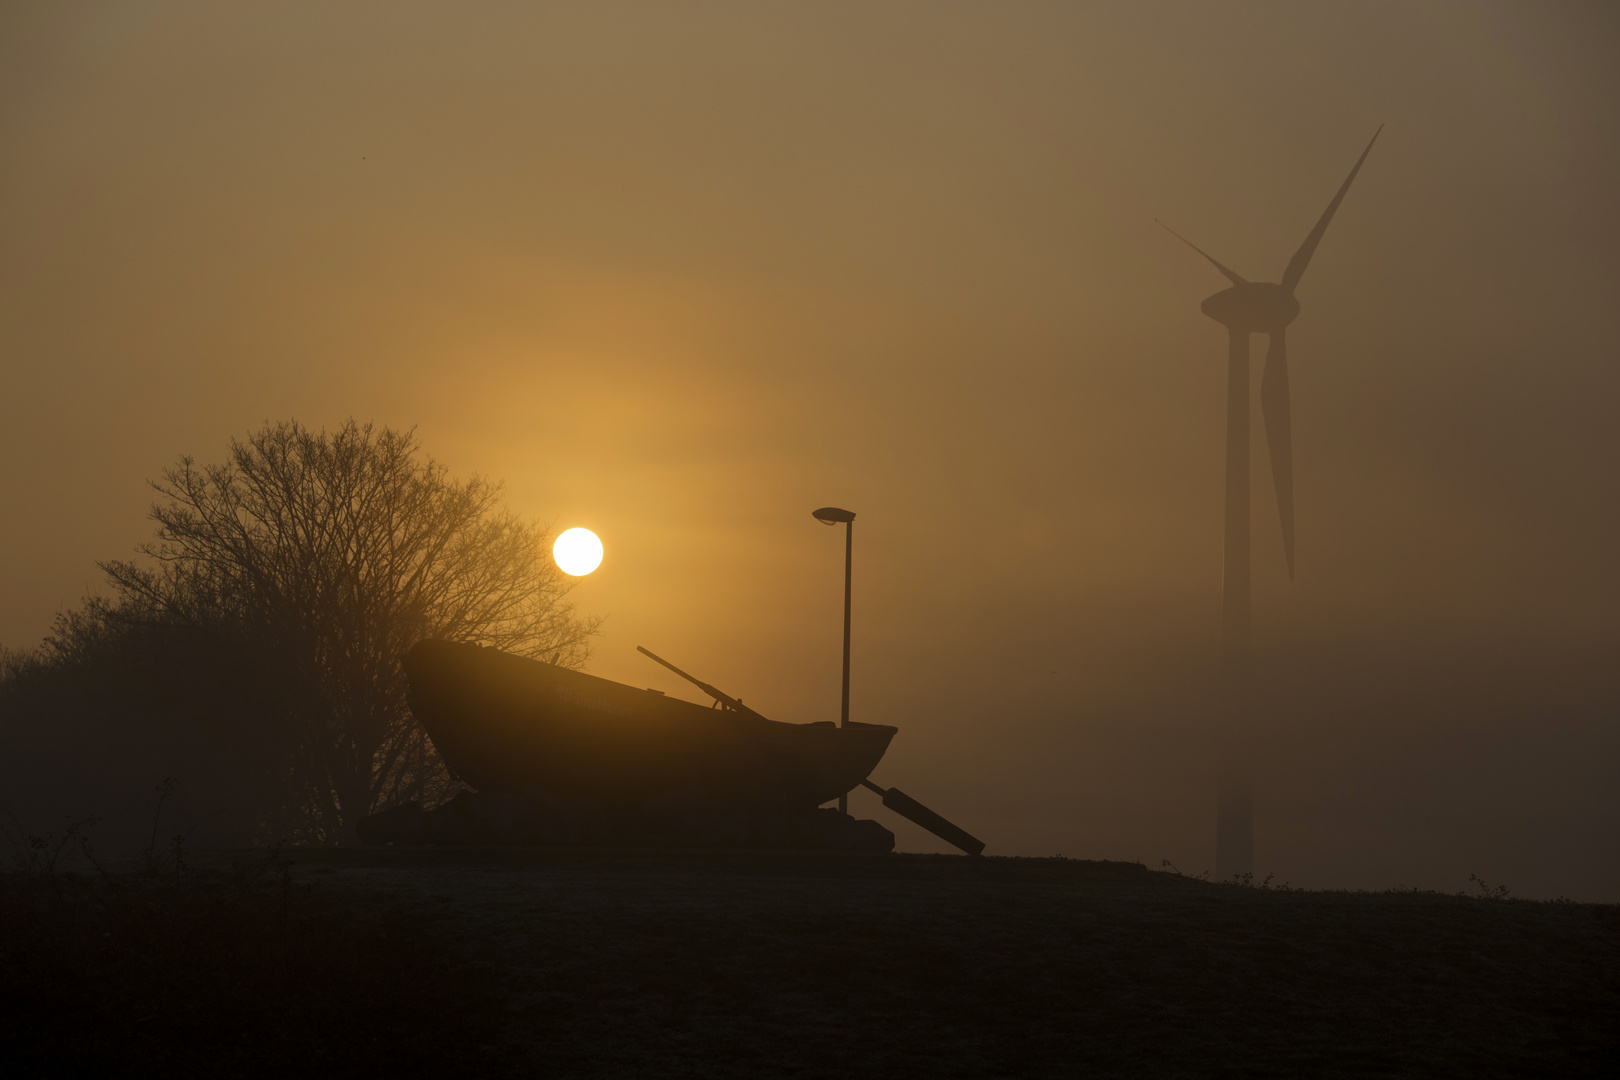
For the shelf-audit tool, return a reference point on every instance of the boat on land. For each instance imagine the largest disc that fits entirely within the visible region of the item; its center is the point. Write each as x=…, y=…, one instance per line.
x=502, y=722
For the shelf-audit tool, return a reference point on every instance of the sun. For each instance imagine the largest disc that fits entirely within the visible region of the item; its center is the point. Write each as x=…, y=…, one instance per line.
x=577, y=552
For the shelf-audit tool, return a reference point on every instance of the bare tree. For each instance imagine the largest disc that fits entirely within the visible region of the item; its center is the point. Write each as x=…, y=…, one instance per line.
x=334, y=553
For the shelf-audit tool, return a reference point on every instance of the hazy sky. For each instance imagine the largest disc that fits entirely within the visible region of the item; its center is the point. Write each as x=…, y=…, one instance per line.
x=682, y=273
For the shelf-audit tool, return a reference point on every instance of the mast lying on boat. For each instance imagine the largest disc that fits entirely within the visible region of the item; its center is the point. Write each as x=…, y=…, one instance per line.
x=720, y=699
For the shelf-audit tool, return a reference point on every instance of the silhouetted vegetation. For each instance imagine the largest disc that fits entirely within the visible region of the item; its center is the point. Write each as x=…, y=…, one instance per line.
x=254, y=650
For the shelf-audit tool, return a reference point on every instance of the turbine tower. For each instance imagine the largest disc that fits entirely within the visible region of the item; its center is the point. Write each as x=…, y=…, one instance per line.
x=1252, y=307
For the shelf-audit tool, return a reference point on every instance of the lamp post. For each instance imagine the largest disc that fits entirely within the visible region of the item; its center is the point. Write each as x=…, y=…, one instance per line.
x=831, y=515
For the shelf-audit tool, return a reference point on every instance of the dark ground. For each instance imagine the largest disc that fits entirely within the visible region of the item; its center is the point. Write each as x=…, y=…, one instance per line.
x=600, y=963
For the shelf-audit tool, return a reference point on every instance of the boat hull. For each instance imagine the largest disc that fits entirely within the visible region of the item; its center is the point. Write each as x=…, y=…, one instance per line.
x=503, y=722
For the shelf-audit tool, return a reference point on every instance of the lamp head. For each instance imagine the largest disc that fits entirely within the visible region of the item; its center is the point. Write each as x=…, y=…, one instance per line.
x=831, y=515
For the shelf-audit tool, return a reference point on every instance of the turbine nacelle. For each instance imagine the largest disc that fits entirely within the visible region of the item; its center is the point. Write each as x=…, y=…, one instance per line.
x=1256, y=306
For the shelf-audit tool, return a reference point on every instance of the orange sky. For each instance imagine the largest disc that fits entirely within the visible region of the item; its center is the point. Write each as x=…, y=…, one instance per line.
x=683, y=273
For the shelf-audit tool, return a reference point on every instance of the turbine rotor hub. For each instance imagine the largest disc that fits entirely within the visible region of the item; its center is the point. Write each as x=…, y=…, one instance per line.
x=1258, y=307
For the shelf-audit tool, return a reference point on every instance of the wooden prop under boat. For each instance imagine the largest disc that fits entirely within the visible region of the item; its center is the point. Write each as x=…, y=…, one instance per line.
x=502, y=722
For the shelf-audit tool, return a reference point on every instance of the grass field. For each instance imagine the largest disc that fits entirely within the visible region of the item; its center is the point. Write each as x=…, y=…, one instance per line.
x=612, y=963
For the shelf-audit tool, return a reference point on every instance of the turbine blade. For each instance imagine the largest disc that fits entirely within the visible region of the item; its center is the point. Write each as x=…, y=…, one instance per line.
x=1302, y=257
x=1231, y=276
x=1279, y=437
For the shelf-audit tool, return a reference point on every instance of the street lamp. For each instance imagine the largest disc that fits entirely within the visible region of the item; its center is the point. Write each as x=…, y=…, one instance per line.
x=831, y=515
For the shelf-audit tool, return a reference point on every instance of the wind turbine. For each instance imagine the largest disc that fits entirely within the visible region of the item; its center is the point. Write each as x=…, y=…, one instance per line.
x=1252, y=307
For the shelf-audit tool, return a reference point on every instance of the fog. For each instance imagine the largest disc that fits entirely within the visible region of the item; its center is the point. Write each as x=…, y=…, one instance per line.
x=682, y=274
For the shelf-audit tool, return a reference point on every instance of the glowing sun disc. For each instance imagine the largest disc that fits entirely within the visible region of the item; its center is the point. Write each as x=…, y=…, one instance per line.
x=577, y=552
